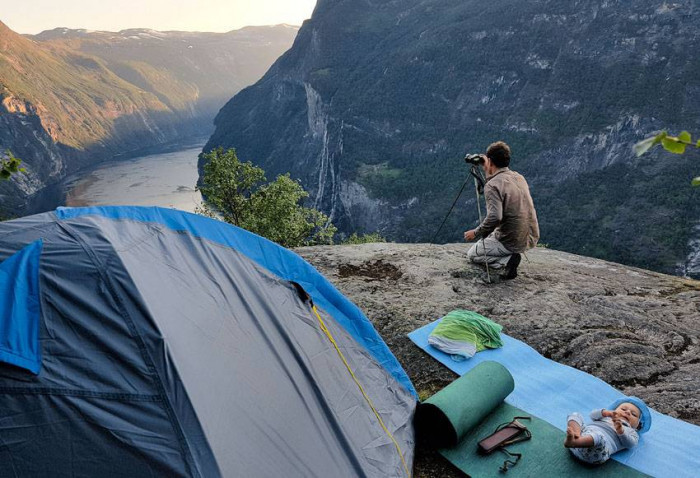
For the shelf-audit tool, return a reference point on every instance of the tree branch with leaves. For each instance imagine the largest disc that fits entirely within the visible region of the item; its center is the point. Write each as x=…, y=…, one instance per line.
x=10, y=166
x=672, y=144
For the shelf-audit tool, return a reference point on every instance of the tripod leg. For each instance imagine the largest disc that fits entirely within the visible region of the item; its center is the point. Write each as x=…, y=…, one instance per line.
x=483, y=244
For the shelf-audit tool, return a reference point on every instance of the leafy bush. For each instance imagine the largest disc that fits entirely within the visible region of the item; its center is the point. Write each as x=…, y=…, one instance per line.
x=239, y=194
x=364, y=239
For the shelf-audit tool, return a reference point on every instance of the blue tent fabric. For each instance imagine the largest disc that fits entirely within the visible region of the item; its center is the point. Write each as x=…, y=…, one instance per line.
x=20, y=309
x=551, y=391
x=173, y=345
x=280, y=261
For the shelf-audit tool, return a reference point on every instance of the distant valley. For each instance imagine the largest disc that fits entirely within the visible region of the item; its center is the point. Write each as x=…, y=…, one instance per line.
x=71, y=98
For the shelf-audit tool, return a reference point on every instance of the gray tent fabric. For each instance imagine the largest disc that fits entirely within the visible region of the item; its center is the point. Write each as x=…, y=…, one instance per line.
x=167, y=354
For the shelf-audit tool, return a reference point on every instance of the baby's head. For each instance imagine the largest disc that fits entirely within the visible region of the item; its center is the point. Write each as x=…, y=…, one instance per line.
x=634, y=411
x=630, y=413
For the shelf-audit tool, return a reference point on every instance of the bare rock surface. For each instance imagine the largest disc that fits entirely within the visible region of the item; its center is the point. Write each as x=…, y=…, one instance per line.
x=635, y=329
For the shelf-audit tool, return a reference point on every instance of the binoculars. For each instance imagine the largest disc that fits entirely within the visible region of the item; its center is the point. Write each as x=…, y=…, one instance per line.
x=474, y=159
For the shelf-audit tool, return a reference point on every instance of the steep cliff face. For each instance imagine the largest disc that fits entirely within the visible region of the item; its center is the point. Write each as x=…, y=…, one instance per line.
x=635, y=329
x=376, y=102
x=70, y=97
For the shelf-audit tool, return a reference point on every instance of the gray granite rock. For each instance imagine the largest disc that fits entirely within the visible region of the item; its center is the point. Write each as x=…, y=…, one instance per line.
x=635, y=329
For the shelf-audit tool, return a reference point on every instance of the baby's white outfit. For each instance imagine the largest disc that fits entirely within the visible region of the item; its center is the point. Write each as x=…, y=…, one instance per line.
x=606, y=441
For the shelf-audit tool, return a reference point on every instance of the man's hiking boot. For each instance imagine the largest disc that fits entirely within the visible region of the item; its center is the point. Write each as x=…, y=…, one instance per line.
x=511, y=269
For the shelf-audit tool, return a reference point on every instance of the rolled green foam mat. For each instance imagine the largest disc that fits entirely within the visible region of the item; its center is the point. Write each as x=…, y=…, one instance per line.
x=447, y=416
x=456, y=418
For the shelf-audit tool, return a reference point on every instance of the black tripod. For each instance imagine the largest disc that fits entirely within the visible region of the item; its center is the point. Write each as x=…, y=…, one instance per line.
x=479, y=183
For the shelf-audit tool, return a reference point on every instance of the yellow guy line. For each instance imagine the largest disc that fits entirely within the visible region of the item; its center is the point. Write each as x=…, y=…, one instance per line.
x=364, y=394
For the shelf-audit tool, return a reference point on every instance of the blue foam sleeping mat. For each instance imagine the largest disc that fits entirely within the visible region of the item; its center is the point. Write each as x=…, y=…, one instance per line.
x=551, y=391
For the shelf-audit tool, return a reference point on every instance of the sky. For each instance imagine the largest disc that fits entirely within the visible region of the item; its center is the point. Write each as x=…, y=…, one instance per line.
x=34, y=16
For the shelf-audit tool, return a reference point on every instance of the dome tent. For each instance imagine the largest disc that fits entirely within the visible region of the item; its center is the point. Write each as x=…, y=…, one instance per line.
x=152, y=342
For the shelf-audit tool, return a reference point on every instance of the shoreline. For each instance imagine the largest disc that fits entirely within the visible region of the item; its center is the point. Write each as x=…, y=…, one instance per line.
x=68, y=190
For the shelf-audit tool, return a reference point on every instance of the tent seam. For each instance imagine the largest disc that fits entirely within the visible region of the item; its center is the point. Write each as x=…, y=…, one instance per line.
x=38, y=226
x=132, y=397
x=188, y=458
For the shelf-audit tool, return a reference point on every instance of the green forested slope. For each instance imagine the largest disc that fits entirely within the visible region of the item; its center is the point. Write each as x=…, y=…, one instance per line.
x=76, y=97
x=185, y=70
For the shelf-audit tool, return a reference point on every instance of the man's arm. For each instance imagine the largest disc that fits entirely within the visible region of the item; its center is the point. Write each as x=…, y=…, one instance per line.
x=494, y=212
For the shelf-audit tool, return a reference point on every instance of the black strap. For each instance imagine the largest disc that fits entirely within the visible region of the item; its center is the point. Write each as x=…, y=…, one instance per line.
x=526, y=435
x=509, y=463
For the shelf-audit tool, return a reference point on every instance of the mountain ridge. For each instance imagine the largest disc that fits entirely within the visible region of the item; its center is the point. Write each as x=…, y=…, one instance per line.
x=66, y=32
x=203, y=68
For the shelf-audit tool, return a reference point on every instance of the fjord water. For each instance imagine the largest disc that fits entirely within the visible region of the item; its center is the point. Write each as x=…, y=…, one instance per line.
x=165, y=179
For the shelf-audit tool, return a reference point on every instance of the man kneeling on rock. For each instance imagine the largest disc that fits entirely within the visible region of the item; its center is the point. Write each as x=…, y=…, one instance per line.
x=510, y=226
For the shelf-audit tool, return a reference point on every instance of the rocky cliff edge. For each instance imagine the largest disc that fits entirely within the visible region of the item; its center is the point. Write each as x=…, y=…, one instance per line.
x=637, y=330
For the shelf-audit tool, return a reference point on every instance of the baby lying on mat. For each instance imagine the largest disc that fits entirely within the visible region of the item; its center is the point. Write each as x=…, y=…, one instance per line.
x=613, y=429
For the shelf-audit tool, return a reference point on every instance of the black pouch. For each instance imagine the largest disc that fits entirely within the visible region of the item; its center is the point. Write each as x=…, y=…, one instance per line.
x=506, y=434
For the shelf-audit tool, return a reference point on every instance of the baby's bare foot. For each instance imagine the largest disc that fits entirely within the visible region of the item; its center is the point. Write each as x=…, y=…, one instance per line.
x=570, y=441
x=573, y=432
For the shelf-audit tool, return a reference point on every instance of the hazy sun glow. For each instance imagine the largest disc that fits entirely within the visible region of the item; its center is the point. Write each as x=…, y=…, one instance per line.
x=33, y=16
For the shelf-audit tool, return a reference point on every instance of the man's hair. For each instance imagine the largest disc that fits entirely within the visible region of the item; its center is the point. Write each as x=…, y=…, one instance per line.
x=499, y=154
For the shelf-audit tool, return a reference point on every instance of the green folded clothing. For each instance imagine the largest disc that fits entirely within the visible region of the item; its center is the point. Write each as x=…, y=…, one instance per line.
x=463, y=333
